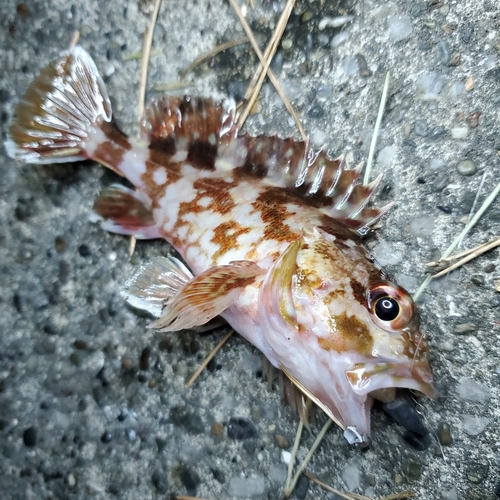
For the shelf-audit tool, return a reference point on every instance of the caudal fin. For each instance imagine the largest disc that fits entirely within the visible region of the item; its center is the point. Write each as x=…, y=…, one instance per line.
x=59, y=117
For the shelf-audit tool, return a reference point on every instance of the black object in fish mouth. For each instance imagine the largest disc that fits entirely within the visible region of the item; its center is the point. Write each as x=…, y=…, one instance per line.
x=402, y=410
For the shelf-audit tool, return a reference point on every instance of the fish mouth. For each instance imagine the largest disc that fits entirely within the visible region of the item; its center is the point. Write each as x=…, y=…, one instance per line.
x=379, y=380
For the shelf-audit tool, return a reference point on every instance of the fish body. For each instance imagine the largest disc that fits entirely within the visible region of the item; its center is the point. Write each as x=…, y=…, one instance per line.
x=271, y=233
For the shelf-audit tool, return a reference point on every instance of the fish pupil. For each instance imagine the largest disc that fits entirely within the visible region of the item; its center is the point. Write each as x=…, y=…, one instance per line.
x=387, y=308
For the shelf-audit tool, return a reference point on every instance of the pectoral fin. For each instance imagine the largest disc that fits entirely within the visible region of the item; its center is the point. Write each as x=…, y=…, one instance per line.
x=206, y=296
x=121, y=210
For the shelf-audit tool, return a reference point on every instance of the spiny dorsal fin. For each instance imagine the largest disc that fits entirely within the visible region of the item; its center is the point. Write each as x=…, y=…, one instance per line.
x=202, y=132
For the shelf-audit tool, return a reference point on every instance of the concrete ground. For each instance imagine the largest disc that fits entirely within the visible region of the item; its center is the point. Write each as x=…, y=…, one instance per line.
x=94, y=405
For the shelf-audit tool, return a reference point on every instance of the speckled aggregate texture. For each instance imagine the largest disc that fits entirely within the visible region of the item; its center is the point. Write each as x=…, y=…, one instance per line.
x=94, y=405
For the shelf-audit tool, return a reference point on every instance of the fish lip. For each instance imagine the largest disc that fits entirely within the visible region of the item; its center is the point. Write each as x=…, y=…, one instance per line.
x=367, y=377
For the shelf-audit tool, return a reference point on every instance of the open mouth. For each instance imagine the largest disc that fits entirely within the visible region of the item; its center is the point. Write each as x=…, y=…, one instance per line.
x=380, y=380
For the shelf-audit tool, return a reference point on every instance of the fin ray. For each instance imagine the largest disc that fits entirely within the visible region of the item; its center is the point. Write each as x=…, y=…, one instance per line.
x=206, y=296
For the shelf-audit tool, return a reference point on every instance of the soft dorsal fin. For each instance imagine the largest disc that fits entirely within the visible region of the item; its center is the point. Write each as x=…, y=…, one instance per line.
x=203, y=133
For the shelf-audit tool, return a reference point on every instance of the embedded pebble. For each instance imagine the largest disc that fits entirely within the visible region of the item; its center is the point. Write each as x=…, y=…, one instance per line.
x=190, y=421
x=386, y=156
x=159, y=480
x=449, y=493
x=478, y=279
x=421, y=128
x=189, y=479
x=474, y=425
x=437, y=132
x=334, y=22
x=470, y=390
x=414, y=470
x=400, y=28
x=477, y=471
x=29, y=437
x=429, y=86
x=241, y=428
x=473, y=119
x=351, y=475
x=350, y=66
x=444, y=434
x=466, y=167
x=241, y=487
x=457, y=89
x=459, y=132
x=465, y=328
x=443, y=50
x=436, y=163
x=386, y=255
x=422, y=226
x=339, y=39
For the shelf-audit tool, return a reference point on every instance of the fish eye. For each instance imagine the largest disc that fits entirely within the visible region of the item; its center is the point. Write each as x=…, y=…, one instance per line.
x=387, y=308
x=391, y=306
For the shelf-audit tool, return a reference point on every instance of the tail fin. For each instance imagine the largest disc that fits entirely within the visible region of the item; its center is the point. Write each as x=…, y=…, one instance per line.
x=58, y=116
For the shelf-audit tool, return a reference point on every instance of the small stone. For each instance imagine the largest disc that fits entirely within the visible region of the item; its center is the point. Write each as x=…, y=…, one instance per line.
x=131, y=435
x=440, y=182
x=363, y=68
x=473, y=119
x=160, y=444
x=302, y=487
x=243, y=487
x=417, y=441
x=455, y=59
x=219, y=476
x=80, y=344
x=470, y=390
x=287, y=43
x=469, y=84
x=400, y=28
x=106, y=437
x=370, y=479
x=445, y=208
x=281, y=441
x=421, y=128
x=190, y=480
x=84, y=250
x=127, y=364
x=478, y=279
x=29, y=437
x=386, y=156
x=59, y=244
x=350, y=66
x=241, y=428
x=466, y=168
x=443, y=50
x=122, y=415
x=444, y=434
x=413, y=471
x=403, y=411
x=449, y=493
x=474, y=425
x=144, y=359
x=437, y=132
x=159, y=481
x=465, y=328
x=495, y=301
x=459, y=132
x=489, y=268
x=217, y=429
x=429, y=86
x=477, y=472
x=182, y=417
x=70, y=480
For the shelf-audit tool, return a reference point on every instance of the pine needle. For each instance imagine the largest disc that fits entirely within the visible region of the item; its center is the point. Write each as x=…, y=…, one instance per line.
x=74, y=40
x=296, y=443
x=260, y=74
x=470, y=255
x=302, y=466
x=219, y=48
x=270, y=74
x=487, y=202
x=208, y=358
x=146, y=52
x=355, y=496
x=376, y=130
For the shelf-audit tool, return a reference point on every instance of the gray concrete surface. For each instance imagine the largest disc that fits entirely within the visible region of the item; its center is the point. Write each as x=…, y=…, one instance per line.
x=79, y=418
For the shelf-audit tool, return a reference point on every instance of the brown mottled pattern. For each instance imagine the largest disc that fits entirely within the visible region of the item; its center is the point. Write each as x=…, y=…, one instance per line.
x=202, y=155
x=271, y=205
x=218, y=190
x=359, y=291
x=226, y=236
x=354, y=336
x=111, y=152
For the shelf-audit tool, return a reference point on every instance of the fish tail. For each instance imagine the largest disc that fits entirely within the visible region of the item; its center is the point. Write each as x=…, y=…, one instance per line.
x=65, y=115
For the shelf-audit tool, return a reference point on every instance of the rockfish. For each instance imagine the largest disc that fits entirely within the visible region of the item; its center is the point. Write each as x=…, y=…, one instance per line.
x=270, y=230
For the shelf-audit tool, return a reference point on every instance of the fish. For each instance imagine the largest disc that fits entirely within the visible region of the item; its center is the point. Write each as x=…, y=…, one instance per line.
x=270, y=233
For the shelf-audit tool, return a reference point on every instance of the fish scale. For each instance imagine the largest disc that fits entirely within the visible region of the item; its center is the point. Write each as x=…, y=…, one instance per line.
x=270, y=230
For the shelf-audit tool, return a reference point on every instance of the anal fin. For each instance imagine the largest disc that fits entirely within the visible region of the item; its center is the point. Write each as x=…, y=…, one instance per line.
x=122, y=211
x=206, y=296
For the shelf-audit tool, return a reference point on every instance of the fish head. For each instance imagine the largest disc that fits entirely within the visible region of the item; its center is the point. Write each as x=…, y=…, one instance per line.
x=341, y=331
